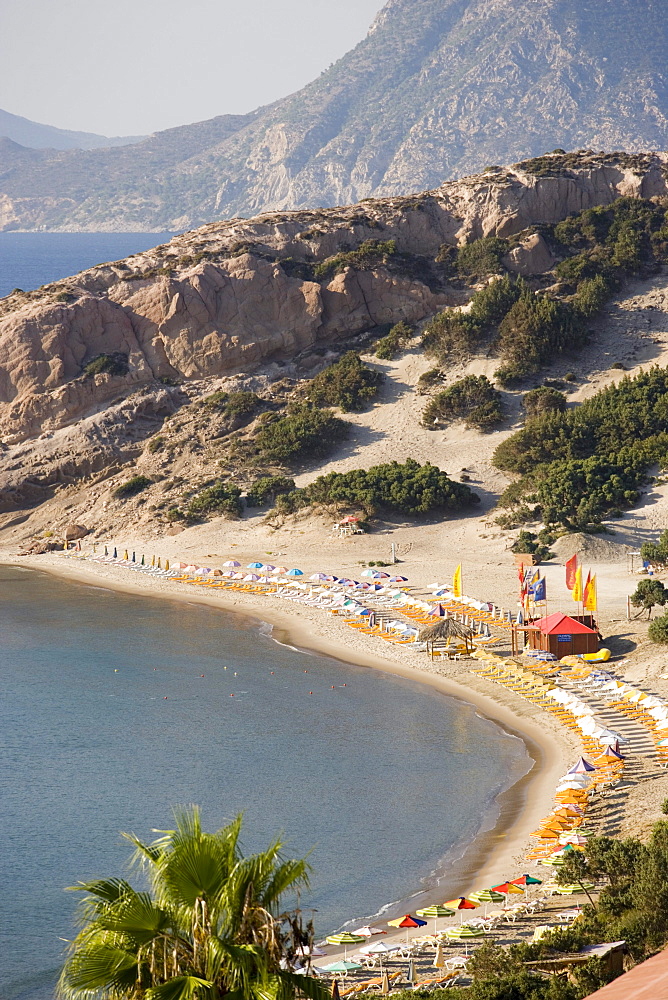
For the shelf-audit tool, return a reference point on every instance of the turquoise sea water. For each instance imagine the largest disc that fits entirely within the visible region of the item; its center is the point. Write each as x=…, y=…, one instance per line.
x=106, y=722
x=28, y=260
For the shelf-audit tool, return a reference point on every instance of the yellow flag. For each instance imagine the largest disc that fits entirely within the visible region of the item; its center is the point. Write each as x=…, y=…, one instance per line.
x=536, y=577
x=577, y=586
x=590, y=595
x=457, y=582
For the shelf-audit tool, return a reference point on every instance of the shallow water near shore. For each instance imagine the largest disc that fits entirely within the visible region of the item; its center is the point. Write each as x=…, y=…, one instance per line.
x=106, y=723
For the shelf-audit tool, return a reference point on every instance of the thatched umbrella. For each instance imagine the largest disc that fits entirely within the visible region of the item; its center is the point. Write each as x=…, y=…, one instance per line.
x=447, y=628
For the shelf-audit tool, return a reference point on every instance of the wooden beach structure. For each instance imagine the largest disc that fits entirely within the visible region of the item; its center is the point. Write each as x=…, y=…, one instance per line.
x=562, y=635
x=443, y=632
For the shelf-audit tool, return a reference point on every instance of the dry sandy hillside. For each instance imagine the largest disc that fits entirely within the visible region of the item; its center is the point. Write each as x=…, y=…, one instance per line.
x=634, y=331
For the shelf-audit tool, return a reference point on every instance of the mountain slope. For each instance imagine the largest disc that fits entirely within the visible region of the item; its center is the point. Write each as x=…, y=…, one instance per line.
x=438, y=88
x=37, y=136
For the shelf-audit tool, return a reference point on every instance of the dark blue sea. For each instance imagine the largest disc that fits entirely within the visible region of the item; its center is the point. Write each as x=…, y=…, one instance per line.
x=28, y=260
x=106, y=723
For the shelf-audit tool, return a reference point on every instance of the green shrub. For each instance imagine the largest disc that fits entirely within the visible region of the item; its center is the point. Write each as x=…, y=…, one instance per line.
x=591, y=296
x=369, y=255
x=221, y=498
x=490, y=304
x=156, y=444
x=543, y=400
x=429, y=379
x=535, y=329
x=391, y=344
x=132, y=486
x=410, y=488
x=656, y=552
x=658, y=630
x=481, y=257
x=305, y=432
x=241, y=404
x=649, y=593
x=347, y=383
x=527, y=543
x=267, y=488
x=473, y=398
x=233, y=404
x=451, y=335
x=583, y=463
x=109, y=364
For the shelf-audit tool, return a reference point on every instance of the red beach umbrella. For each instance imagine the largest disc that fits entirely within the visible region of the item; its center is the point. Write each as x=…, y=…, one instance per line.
x=407, y=921
x=461, y=903
x=527, y=880
x=507, y=888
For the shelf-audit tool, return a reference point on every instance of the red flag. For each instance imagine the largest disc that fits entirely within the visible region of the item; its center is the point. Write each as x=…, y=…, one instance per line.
x=571, y=570
x=520, y=573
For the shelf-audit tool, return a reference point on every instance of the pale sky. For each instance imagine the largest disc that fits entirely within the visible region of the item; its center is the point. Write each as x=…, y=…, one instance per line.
x=129, y=67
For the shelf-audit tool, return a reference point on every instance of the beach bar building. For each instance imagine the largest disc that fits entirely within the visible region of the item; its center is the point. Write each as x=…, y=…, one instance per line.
x=562, y=636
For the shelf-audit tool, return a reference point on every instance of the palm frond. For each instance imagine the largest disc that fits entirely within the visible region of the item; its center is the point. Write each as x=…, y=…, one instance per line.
x=181, y=988
x=104, y=970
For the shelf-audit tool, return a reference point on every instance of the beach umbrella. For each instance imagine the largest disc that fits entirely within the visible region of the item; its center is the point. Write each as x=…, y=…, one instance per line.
x=368, y=572
x=398, y=579
x=345, y=938
x=305, y=952
x=581, y=767
x=369, y=931
x=410, y=974
x=252, y=576
x=344, y=966
x=439, y=957
x=526, y=880
x=569, y=810
x=507, y=888
x=379, y=948
x=280, y=570
x=461, y=903
x=134, y=559
x=316, y=576
x=385, y=984
x=464, y=933
x=407, y=921
x=486, y=896
x=438, y=611
x=555, y=859
x=435, y=911
x=335, y=990
x=266, y=568
x=294, y=572
x=115, y=553
x=142, y=559
x=232, y=564
x=254, y=565
x=573, y=838
x=662, y=743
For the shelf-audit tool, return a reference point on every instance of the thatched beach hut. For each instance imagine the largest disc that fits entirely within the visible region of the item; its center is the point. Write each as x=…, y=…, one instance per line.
x=444, y=631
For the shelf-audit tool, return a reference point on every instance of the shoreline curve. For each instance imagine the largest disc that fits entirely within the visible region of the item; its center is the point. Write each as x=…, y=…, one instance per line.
x=495, y=850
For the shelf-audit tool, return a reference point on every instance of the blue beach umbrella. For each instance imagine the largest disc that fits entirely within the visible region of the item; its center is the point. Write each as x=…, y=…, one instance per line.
x=255, y=565
x=294, y=572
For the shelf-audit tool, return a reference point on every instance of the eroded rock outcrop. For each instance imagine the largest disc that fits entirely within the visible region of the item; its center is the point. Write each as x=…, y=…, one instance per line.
x=229, y=296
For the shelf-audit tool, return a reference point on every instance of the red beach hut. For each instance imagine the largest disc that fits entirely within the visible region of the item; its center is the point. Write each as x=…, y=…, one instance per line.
x=562, y=636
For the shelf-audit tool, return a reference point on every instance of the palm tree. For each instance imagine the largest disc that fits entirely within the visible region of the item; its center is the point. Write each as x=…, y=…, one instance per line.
x=211, y=925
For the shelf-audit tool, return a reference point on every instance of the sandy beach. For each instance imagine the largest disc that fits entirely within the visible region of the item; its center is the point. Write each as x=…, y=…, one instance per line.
x=498, y=850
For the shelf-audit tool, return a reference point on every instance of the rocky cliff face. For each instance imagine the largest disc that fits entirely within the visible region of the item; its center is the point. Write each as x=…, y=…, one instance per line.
x=230, y=296
x=437, y=89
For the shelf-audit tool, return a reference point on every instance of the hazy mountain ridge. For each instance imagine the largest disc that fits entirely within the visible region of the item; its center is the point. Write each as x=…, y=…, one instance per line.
x=437, y=89
x=34, y=135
